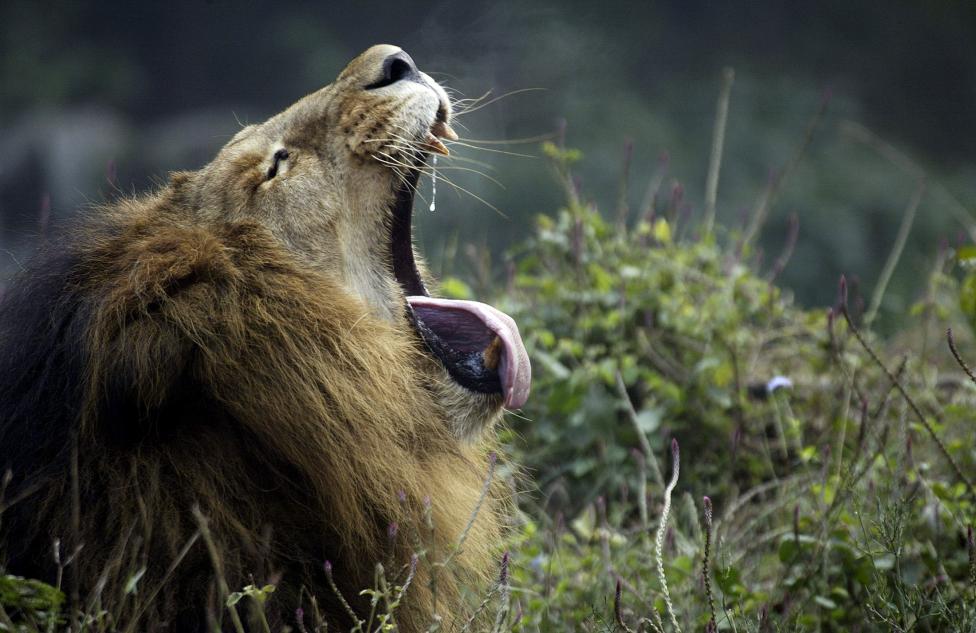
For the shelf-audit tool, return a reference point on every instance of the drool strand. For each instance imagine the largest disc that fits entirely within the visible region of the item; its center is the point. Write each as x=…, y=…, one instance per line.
x=433, y=184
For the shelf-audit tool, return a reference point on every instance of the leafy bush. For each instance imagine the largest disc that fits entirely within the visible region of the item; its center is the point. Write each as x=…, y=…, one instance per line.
x=840, y=503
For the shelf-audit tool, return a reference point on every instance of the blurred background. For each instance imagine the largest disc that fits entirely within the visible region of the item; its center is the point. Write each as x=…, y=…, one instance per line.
x=103, y=98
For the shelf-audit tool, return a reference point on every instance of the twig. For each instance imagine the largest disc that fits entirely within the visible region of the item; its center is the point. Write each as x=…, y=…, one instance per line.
x=623, y=209
x=718, y=141
x=861, y=134
x=75, y=524
x=479, y=610
x=908, y=218
x=506, y=596
x=641, y=437
x=792, y=232
x=653, y=186
x=342, y=599
x=642, y=493
x=204, y=529
x=772, y=189
x=901, y=389
x=958, y=356
x=492, y=461
x=166, y=576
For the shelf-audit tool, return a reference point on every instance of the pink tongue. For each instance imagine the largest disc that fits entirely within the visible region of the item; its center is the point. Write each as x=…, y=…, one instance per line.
x=514, y=369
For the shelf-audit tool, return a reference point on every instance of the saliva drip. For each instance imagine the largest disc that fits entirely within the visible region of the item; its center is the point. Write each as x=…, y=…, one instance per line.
x=433, y=184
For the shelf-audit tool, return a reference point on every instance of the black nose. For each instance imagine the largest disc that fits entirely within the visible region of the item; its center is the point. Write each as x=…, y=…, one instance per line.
x=397, y=67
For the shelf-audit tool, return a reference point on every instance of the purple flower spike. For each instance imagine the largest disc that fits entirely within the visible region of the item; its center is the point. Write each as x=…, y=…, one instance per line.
x=503, y=575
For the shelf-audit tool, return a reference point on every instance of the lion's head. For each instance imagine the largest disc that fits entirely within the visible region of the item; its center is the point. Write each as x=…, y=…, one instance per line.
x=334, y=177
x=256, y=339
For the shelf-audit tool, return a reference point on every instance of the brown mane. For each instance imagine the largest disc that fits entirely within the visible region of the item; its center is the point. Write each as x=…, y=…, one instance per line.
x=174, y=358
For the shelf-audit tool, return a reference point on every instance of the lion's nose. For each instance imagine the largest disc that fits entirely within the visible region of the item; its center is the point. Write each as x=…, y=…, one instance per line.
x=397, y=67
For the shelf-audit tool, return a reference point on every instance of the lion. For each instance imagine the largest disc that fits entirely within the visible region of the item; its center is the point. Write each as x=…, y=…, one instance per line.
x=242, y=378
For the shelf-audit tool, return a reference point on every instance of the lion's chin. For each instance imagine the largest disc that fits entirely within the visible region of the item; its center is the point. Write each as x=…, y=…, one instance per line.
x=479, y=345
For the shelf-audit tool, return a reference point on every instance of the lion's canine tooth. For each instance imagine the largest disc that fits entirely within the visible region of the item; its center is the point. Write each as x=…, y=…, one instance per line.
x=443, y=130
x=434, y=144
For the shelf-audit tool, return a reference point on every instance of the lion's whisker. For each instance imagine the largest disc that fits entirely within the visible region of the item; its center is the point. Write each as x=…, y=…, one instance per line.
x=489, y=149
x=514, y=141
x=475, y=108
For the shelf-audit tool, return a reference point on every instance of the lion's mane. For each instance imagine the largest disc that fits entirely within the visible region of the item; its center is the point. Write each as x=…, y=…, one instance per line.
x=157, y=362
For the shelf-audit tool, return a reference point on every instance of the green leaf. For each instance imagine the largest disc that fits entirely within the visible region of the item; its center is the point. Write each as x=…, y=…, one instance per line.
x=454, y=288
x=551, y=364
x=585, y=523
x=29, y=594
x=791, y=546
x=966, y=253
x=662, y=231
x=649, y=420
x=729, y=580
x=133, y=582
x=967, y=298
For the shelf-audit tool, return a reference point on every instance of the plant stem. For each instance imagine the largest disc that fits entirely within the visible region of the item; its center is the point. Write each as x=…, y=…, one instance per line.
x=908, y=399
x=772, y=189
x=907, y=219
x=718, y=142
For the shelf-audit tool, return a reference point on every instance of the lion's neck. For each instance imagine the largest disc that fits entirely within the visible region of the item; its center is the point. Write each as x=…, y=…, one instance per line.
x=364, y=243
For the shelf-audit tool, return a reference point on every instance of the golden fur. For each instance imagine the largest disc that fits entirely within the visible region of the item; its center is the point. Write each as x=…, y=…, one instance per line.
x=241, y=346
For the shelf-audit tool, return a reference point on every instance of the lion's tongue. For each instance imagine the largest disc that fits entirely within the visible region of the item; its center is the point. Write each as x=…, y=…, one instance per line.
x=472, y=326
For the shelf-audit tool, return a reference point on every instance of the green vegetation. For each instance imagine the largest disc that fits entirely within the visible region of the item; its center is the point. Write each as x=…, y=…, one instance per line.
x=826, y=473
x=841, y=502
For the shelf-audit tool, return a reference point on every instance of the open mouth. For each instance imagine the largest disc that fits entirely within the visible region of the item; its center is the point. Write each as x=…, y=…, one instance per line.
x=479, y=345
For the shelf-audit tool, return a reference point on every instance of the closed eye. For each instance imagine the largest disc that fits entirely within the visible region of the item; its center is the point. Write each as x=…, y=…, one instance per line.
x=279, y=156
